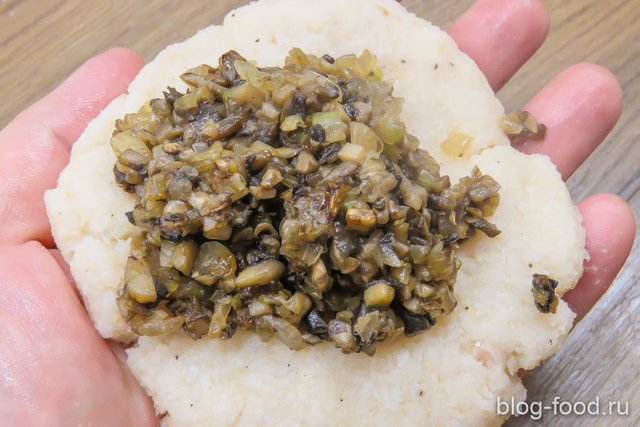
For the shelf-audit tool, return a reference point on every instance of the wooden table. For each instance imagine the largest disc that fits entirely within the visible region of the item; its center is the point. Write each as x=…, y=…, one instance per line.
x=45, y=40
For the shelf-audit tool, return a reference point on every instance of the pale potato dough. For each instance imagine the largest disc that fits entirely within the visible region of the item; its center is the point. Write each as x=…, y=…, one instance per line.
x=448, y=376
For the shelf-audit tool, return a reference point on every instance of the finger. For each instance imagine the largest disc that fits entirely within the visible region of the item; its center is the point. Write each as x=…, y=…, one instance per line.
x=64, y=267
x=501, y=35
x=54, y=367
x=35, y=145
x=579, y=107
x=610, y=228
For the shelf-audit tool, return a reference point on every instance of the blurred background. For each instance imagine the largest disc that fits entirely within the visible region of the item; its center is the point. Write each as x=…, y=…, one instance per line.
x=43, y=41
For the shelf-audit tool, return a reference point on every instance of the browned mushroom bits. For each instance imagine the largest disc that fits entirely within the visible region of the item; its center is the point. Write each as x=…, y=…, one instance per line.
x=544, y=293
x=292, y=202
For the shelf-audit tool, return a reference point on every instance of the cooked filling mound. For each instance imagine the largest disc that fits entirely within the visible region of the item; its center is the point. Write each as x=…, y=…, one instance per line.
x=291, y=202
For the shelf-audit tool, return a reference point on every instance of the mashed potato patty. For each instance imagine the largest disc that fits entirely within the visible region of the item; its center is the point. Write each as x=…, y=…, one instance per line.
x=449, y=376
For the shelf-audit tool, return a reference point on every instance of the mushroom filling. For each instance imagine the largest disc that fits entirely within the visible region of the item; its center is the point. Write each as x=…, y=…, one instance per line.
x=544, y=293
x=291, y=202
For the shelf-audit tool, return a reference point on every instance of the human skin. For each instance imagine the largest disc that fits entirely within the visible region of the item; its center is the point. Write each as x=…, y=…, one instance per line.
x=55, y=369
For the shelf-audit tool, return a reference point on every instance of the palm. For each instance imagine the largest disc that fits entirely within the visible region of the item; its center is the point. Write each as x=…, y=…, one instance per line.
x=56, y=363
x=55, y=366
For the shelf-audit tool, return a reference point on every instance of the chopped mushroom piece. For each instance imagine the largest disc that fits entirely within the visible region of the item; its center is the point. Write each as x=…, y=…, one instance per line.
x=292, y=202
x=379, y=295
x=521, y=125
x=544, y=293
x=260, y=274
x=360, y=219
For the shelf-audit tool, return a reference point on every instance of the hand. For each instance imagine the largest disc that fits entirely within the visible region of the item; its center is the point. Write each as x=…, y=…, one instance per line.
x=56, y=369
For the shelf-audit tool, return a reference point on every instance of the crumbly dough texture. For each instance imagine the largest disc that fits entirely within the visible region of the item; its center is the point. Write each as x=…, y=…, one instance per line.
x=448, y=376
